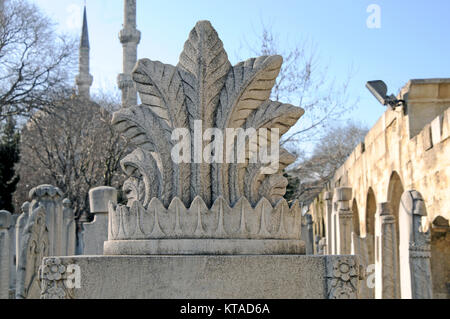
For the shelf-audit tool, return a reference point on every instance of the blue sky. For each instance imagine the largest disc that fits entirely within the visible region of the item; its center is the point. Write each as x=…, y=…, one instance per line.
x=412, y=42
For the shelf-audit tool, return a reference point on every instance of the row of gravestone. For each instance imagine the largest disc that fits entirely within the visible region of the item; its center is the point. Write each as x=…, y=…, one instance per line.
x=45, y=228
x=401, y=267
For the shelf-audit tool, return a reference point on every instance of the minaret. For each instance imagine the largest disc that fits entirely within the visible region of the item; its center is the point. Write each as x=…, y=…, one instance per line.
x=129, y=37
x=84, y=79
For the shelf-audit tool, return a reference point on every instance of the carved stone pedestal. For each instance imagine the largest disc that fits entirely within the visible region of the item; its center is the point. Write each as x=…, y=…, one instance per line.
x=202, y=277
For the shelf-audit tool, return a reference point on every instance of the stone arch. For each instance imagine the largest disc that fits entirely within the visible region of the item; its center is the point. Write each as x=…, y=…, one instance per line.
x=356, y=225
x=395, y=192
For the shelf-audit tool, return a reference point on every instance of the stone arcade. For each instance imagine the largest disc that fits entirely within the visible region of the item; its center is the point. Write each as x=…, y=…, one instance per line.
x=203, y=230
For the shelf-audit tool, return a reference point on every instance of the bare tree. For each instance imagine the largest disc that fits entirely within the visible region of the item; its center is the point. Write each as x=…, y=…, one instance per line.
x=315, y=171
x=74, y=148
x=305, y=82
x=35, y=63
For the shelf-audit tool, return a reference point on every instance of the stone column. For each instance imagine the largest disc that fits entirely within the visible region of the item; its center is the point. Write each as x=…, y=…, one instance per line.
x=344, y=221
x=386, y=262
x=310, y=235
x=415, y=249
x=96, y=233
x=69, y=229
x=328, y=216
x=5, y=223
x=50, y=198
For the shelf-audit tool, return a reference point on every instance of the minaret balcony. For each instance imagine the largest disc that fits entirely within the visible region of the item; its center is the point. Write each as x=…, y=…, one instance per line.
x=129, y=35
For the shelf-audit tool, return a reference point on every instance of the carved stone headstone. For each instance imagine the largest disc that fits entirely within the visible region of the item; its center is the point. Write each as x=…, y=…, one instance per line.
x=34, y=247
x=344, y=221
x=68, y=229
x=361, y=247
x=20, y=227
x=50, y=198
x=12, y=256
x=415, y=250
x=328, y=217
x=96, y=233
x=5, y=223
x=386, y=263
x=309, y=235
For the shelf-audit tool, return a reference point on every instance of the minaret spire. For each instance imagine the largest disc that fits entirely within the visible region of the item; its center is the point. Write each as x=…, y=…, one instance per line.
x=84, y=79
x=129, y=37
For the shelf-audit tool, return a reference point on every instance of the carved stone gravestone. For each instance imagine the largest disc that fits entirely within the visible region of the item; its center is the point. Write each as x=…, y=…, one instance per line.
x=5, y=223
x=34, y=246
x=415, y=248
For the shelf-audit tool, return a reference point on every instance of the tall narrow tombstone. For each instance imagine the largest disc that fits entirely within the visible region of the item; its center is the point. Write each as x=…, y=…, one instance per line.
x=5, y=223
x=360, y=248
x=310, y=235
x=328, y=216
x=415, y=249
x=334, y=222
x=386, y=263
x=96, y=233
x=20, y=227
x=69, y=229
x=50, y=198
x=34, y=247
x=12, y=256
x=344, y=221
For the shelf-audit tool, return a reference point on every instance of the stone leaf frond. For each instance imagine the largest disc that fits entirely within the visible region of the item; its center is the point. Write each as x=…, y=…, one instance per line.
x=148, y=165
x=160, y=88
x=203, y=67
x=146, y=130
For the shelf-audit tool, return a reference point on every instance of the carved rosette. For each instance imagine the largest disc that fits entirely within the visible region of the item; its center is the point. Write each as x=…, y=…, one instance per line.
x=343, y=275
x=53, y=275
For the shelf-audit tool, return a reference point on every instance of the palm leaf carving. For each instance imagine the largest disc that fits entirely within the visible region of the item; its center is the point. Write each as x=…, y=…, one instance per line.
x=204, y=87
x=204, y=67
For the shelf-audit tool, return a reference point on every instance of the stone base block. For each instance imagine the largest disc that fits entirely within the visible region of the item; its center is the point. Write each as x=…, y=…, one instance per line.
x=204, y=247
x=200, y=277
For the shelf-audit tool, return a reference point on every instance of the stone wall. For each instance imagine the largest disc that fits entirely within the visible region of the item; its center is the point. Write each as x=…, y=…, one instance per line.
x=407, y=149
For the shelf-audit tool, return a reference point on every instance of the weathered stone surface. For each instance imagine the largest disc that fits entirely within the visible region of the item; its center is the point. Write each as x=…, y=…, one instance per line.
x=50, y=198
x=96, y=233
x=387, y=264
x=12, y=256
x=242, y=222
x=100, y=197
x=361, y=248
x=130, y=37
x=344, y=223
x=209, y=277
x=5, y=223
x=415, y=250
x=34, y=245
x=68, y=229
